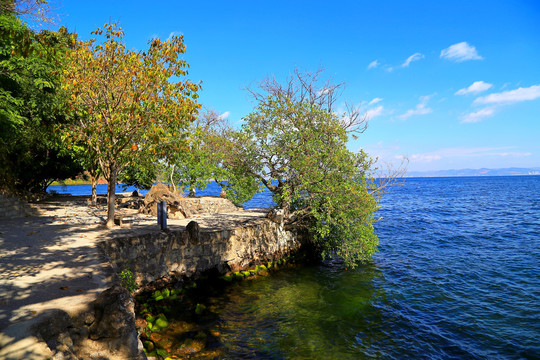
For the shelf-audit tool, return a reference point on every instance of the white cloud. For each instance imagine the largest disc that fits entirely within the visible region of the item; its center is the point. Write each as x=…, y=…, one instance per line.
x=425, y=157
x=373, y=64
x=374, y=101
x=225, y=115
x=475, y=88
x=420, y=109
x=511, y=96
x=413, y=57
x=174, y=33
x=372, y=113
x=460, y=52
x=478, y=115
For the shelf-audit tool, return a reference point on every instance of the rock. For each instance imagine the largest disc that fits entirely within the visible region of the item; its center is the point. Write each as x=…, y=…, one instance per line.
x=276, y=215
x=193, y=231
x=162, y=192
x=54, y=329
x=53, y=323
x=114, y=324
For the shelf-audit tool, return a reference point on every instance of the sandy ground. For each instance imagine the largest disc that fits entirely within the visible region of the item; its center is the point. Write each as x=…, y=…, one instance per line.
x=51, y=261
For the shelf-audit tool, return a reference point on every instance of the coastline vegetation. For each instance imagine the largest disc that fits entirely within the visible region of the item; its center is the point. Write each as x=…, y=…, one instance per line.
x=71, y=107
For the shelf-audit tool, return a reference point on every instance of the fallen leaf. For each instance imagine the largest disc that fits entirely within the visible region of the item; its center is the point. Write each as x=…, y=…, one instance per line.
x=16, y=273
x=63, y=288
x=80, y=290
x=34, y=312
x=30, y=233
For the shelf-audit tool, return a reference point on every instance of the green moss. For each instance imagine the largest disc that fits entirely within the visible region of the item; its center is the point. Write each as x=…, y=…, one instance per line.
x=199, y=309
x=261, y=267
x=162, y=352
x=162, y=323
x=148, y=345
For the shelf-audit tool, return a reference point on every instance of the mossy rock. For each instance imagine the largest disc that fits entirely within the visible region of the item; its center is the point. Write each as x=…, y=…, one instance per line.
x=200, y=336
x=157, y=295
x=261, y=268
x=148, y=345
x=227, y=278
x=152, y=354
x=246, y=273
x=162, y=352
x=199, y=309
x=166, y=293
x=253, y=272
x=165, y=344
x=162, y=323
x=238, y=275
x=177, y=291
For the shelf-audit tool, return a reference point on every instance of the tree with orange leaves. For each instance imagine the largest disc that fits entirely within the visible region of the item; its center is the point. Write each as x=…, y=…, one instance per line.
x=128, y=105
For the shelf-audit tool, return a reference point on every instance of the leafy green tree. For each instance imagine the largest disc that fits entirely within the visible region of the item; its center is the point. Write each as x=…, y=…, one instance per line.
x=197, y=163
x=295, y=144
x=142, y=173
x=128, y=104
x=32, y=153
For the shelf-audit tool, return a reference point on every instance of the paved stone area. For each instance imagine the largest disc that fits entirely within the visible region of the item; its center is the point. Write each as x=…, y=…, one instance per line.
x=51, y=262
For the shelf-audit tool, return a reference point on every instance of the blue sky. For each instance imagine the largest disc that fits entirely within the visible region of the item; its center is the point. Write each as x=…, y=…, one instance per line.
x=447, y=84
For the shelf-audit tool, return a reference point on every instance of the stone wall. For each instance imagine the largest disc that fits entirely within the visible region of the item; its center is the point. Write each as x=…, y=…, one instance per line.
x=190, y=251
x=11, y=207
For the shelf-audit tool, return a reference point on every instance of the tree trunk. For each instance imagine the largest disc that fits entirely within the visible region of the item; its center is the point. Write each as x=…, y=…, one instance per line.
x=192, y=190
x=93, y=179
x=111, y=197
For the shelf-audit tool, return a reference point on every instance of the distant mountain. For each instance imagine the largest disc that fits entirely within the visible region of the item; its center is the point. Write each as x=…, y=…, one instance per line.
x=476, y=172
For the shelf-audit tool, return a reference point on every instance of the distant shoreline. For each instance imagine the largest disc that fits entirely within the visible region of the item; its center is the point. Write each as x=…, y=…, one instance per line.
x=475, y=172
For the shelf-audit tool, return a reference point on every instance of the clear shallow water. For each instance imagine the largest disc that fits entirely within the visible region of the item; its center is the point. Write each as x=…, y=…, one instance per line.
x=457, y=277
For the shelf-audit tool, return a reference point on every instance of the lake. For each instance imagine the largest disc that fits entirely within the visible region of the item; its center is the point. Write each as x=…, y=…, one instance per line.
x=457, y=276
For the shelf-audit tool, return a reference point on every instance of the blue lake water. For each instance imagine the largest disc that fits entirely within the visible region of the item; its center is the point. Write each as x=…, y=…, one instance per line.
x=457, y=277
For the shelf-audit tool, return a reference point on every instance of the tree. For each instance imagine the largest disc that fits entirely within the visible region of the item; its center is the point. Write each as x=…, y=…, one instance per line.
x=32, y=153
x=296, y=145
x=198, y=163
x=128, y=103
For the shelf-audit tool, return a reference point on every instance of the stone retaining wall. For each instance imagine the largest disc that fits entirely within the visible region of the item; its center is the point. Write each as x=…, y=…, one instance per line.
x=11, y=207
x=191, y=252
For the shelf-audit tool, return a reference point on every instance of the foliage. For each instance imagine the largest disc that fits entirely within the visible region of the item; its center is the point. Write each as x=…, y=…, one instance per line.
x=193, y=166
x=141, y=174
x=129, y=105
x=32, y=153
x=127, y=280
x=296, y=146
x=37, y=10
x=198, y=162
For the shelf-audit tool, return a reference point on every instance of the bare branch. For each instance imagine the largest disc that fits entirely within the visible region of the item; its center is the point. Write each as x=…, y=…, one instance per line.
x=310, y=88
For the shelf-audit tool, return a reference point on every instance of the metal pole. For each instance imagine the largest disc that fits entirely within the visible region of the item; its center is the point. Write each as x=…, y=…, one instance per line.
x=163, y=215
x=159, y=205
